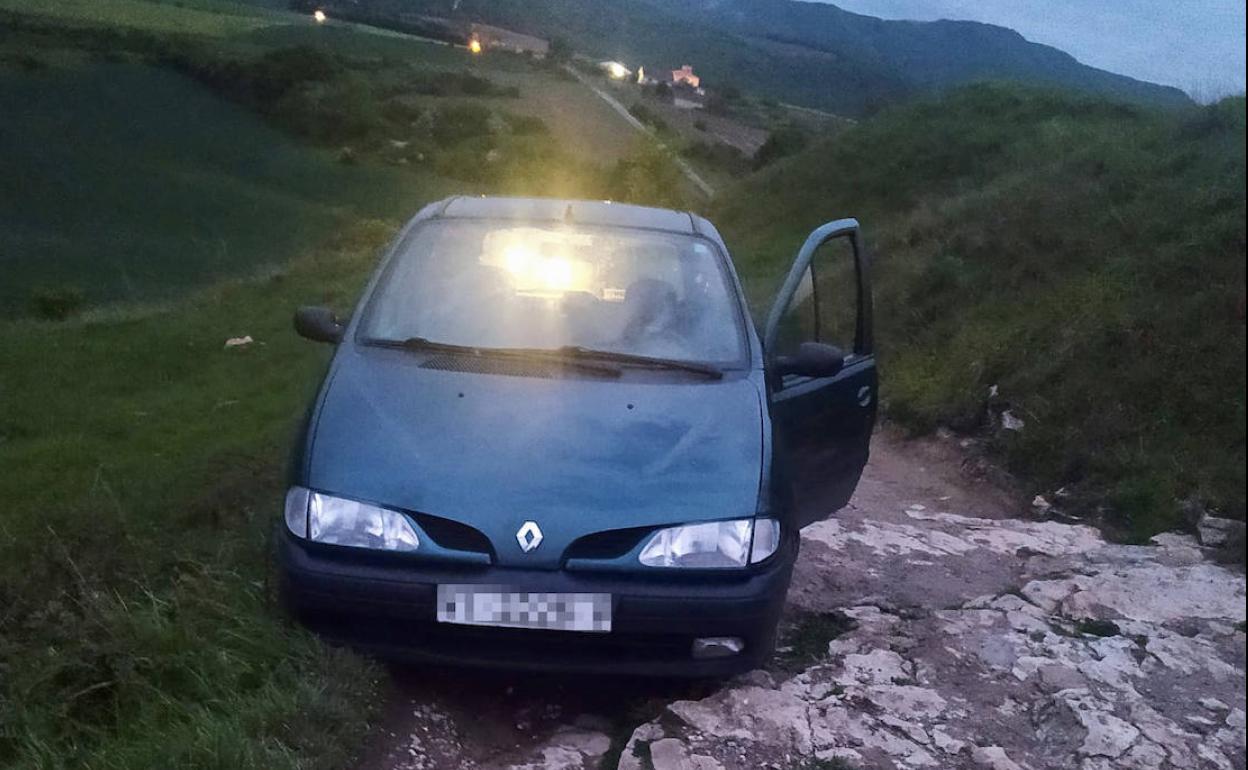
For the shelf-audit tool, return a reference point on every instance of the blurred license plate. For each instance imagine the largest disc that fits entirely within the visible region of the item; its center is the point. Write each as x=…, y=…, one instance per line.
x=486, y=605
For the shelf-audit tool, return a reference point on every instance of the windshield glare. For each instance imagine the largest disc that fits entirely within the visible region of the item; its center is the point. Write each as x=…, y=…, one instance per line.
x=511, y=285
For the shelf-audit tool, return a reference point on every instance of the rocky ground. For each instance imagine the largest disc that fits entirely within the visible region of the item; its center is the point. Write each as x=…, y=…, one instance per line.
x=931, y=624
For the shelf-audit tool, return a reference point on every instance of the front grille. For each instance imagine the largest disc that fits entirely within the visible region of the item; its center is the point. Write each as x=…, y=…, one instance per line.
x=454, y=536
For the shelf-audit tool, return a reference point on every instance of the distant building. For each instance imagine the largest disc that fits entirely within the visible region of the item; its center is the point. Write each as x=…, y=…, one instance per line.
x=685, y=76
x=507, y=40
x=615, y=70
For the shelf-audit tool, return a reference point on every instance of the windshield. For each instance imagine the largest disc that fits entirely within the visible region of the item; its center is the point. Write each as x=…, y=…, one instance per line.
x=488, y=284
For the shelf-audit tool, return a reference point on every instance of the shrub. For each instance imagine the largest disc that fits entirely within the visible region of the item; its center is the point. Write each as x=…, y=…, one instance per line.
x=343, y=109
x=647, y=175
x=57, y=304
x=526, y=125
x=718, y=155
x=455, y=123
x=782, y=142
x=648, y=116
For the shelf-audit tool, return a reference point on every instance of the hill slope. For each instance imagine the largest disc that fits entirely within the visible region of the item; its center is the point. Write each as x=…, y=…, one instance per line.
x=807, y=53
x=85, y=151
x=923, y=54
x=1086, y=258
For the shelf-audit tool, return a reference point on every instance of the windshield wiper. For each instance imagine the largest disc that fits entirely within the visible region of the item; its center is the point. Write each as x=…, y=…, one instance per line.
x=553, y=356
x=589, y=359
x=649, y=362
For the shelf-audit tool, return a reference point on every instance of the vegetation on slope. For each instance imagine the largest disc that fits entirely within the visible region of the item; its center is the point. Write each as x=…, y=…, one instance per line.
x=398, y=123
x=1087, y=258
x=143, y=466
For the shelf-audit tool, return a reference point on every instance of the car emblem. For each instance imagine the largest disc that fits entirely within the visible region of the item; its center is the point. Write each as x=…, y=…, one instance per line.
x=529, y=536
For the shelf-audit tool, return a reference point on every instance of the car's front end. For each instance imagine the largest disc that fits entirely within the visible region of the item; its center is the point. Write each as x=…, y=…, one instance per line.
x=697, y=625
x=554, y=507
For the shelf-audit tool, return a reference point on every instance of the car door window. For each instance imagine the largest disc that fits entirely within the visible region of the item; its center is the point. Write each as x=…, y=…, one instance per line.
x=824, y=308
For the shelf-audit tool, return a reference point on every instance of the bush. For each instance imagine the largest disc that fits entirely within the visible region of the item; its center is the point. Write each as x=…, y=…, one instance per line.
x=718, y=155
x=341, y=110
x=257, y=82
x=647, y=175
x=526, y=125
x=781, y=142
x=648, y=116
x=455, y=123
x=57, y=304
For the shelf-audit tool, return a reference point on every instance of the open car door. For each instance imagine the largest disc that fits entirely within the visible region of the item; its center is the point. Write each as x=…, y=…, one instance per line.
x=821, y=371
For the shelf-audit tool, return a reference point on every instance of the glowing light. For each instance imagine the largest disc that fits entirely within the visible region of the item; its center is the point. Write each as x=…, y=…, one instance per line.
x=319, y=16
x=474, y=46
x=517, y=258
x=555, y=273
x=617, y=71
x=541, y=263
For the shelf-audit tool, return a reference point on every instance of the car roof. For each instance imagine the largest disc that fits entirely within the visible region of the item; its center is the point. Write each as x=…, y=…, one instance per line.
x=604, y=213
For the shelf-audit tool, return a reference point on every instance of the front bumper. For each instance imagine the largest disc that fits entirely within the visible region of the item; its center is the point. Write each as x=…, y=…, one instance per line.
x=387, y=606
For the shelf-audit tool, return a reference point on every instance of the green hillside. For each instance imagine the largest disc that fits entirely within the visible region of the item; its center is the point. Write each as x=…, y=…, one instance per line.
x=1084, y=257
x=108, y=191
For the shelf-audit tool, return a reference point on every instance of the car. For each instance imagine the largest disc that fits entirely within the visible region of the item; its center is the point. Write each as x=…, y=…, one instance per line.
x=550, y=437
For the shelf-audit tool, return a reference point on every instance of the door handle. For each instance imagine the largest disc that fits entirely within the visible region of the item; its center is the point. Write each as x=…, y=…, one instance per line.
x=864, y=395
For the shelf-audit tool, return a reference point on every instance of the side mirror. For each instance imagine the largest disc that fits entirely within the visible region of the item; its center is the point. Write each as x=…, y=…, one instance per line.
x=813, y=359
x=318, y=324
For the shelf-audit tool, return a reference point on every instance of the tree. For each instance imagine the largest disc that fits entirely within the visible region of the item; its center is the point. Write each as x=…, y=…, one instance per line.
x=785, y=140
x=560, y=51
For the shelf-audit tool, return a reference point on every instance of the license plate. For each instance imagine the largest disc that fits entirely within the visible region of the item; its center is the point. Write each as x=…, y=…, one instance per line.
x=487, y=605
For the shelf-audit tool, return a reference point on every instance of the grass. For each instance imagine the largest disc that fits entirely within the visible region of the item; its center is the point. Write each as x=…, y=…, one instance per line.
x=1094, y=627
x=133, y=201
x=136, y=619
x=804, y=638
x=200, y=17
x=1085, y=257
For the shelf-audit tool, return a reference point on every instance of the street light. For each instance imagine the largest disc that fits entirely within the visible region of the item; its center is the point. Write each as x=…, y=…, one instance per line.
x=319, y=16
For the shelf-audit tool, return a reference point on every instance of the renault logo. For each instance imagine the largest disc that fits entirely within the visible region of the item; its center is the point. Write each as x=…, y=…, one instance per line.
x=529, y=536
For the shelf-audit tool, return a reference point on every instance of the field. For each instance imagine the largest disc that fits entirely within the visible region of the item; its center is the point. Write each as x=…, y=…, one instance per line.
x=200, y=17
x=90, y=144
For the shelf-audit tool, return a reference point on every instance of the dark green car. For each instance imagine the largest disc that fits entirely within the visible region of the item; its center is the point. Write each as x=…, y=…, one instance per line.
x=551, y=437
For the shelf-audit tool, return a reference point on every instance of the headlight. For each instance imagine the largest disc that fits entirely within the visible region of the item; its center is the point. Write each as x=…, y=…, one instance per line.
x=351, y=523
x=715, y=544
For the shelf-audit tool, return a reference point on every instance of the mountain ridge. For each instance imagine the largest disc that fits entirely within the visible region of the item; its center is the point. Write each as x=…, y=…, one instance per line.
x=808, y=53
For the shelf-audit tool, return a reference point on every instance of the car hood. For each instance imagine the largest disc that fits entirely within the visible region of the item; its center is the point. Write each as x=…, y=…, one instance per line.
x=576, y=455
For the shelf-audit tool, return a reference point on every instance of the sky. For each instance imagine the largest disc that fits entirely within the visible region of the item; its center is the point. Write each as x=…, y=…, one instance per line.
x=1197, y=45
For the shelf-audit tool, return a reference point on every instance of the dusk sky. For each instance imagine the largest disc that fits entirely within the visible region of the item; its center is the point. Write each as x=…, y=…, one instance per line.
x=1197, y=45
